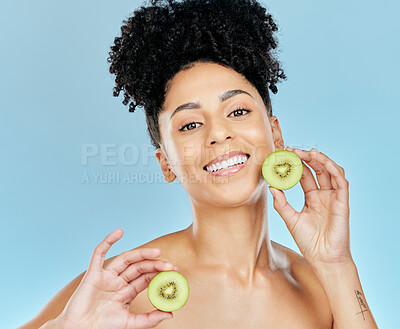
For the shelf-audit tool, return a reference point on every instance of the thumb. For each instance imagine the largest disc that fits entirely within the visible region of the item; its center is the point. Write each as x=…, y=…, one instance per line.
x=147, y=320
x=284, y=209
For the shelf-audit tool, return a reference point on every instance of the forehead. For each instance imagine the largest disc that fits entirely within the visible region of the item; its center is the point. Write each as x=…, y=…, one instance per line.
x=203, y=81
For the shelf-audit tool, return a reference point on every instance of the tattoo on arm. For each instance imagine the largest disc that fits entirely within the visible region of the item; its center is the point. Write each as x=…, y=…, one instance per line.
x=363, y=307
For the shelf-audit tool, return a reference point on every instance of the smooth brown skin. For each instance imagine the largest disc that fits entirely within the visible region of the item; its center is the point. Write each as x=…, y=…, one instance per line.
x=238, y=277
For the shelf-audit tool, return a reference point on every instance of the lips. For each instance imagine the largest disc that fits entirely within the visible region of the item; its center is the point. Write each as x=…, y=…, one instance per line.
x=225, y=157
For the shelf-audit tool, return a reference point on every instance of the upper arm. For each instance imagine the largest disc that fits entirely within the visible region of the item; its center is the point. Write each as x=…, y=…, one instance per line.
x=55, y=305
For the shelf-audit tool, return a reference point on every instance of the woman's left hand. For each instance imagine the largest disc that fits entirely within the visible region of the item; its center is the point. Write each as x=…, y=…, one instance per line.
x=321, y=230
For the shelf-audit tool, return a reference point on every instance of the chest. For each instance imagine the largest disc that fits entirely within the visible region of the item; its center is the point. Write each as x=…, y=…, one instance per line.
x=218, y=305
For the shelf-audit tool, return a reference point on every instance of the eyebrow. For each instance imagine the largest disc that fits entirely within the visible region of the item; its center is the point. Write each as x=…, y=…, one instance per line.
x=223, y=97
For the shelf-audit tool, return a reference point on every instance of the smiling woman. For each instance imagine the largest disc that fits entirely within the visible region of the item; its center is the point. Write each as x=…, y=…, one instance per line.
x=203, y=81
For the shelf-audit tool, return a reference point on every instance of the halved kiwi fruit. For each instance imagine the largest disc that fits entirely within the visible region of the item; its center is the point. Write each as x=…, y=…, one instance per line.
x=168, y=291
x=282, y=169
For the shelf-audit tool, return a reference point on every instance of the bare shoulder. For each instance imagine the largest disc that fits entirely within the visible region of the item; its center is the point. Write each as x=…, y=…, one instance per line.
x=172, y=248
x=171, y=245
x=303, y=273
x=299, y=268
x=167, y=243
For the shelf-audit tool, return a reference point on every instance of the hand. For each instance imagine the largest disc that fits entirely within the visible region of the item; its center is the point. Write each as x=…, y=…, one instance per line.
x=321, y=229
x=102, y=299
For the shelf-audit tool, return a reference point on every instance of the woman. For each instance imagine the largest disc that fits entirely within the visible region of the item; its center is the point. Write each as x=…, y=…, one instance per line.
x=214, y=64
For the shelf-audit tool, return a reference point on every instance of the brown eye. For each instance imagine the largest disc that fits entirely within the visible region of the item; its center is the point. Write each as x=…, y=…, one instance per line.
x=188, y=125
x=240, y=110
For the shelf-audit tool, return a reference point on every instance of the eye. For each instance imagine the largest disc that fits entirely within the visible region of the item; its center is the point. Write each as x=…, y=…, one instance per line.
x=238, y=110
x=188, y=125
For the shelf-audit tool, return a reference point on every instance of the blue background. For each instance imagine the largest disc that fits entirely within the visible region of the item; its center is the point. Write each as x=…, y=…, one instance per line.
x=341, y=97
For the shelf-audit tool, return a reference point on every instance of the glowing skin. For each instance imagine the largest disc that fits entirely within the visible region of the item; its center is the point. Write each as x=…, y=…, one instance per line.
x=230, y=217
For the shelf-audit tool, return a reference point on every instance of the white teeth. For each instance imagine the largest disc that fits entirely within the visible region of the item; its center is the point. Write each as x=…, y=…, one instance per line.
x=229, y=163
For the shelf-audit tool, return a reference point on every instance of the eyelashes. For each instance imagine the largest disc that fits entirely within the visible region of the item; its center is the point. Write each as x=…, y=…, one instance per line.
x=238, y=109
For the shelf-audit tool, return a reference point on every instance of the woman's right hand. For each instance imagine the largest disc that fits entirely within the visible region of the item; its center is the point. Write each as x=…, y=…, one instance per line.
x=102, y=299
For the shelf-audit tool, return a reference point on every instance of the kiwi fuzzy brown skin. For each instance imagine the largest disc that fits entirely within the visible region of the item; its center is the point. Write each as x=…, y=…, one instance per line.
x=168, y=291
x=282, y=169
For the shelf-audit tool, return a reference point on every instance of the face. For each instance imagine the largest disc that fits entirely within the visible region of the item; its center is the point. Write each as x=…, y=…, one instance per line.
x=191, y=138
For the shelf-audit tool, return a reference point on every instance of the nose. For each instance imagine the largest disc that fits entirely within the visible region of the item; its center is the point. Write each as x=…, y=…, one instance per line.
x=219, y=132
x=215, y=141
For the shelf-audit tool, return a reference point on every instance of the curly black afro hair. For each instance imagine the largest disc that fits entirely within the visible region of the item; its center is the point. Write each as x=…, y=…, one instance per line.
x=165, y=37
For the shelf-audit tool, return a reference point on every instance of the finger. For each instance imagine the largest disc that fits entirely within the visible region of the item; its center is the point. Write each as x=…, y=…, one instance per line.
x=147, y=320
x=312, y=159
x=132, y=289
x=284, y=209
x=307, y=179
x=122, y=261
x=99, y=253
x=342, y=189
x=142, y=282
x=135, y=270
x=336, y=165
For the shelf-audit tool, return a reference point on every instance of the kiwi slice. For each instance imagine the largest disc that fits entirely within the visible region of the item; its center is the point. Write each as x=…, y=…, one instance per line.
x=168, y=291
x=282, y=169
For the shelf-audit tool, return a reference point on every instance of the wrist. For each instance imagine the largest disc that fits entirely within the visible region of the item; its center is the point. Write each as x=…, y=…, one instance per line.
x=333, y=266
x=56, y=323
x=323, y=270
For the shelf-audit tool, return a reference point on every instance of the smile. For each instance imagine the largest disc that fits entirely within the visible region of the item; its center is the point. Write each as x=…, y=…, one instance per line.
x=231, y=166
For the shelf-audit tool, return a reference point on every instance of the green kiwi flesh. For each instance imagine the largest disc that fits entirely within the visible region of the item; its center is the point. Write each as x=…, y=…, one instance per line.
x=168, y=291
x=282, y=169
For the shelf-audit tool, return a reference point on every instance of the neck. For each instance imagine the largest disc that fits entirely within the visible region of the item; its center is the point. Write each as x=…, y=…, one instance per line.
x=234, y=239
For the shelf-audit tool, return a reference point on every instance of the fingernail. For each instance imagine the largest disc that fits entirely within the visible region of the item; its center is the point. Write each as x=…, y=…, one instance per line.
x=272, y=192
x=167, y=317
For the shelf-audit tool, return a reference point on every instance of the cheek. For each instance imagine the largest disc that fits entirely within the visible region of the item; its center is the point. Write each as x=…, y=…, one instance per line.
x=260, y=137
x=257, y=131
x=188, y=155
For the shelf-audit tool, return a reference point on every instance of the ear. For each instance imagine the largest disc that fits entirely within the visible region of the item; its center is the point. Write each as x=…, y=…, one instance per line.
x=165, y=166
x=276, y=133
